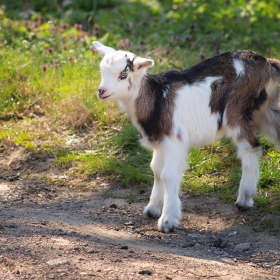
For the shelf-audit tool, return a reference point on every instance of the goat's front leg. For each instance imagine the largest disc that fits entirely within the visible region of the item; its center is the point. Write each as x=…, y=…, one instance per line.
x=153, y=209
x=250, y=175
x=171, y=176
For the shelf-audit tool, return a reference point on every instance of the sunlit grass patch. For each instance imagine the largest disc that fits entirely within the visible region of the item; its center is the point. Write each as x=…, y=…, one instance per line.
x=25, y=134
x=210, y=169
x=216, y=169
x=120, y=158
x=19, y=136
x=268, y=199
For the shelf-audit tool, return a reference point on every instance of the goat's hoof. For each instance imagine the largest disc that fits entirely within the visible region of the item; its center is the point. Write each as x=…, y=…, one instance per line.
x=166, y=227
x=241, y=207
x=147, y=213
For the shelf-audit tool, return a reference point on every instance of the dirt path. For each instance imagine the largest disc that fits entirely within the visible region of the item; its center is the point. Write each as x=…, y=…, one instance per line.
x=52, y=230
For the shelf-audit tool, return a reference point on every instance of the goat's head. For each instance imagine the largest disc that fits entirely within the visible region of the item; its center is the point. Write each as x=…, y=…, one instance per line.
x=119, y=71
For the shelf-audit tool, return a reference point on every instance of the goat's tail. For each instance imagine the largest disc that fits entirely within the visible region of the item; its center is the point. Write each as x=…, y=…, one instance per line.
x=275, y=63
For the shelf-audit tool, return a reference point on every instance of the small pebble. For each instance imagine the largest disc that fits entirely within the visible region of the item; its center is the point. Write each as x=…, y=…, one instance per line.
x=145, y=272
x=242, y=247
x=90, y=251
x=233, y=233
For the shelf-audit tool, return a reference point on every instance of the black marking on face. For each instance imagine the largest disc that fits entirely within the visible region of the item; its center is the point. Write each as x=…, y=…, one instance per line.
x=129, y=67
x=129, y=63
x=123, y=75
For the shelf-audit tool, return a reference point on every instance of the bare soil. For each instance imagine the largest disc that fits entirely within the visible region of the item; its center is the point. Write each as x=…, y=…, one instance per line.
x=56, y=226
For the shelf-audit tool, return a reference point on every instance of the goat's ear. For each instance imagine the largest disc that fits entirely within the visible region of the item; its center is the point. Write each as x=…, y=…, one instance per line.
x=101, y=48
x=142, y=63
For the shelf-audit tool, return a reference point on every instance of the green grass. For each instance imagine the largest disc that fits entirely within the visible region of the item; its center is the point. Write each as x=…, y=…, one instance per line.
x=120, y=158
x=49, y=75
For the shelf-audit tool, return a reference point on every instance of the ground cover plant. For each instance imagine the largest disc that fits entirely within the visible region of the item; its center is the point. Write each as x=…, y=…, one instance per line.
x=49, y=74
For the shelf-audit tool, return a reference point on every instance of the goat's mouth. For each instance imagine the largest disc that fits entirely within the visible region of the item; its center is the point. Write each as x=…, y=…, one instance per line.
x=104, y=97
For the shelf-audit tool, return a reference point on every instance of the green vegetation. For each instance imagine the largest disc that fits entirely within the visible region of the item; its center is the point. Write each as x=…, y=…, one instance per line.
x=49, y=74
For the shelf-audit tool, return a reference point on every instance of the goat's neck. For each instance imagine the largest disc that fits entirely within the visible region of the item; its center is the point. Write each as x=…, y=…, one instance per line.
x=129, y=104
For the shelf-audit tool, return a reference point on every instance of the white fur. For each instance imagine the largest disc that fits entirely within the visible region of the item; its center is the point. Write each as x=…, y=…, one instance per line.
x=194, y=127
x=250, y=174
x=239, y=67
x=197, y=125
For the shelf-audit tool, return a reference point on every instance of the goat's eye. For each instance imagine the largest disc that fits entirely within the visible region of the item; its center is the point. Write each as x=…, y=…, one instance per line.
x=123, y=75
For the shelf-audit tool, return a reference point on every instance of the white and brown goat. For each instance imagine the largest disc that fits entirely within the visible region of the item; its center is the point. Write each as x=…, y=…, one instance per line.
x=235, y=94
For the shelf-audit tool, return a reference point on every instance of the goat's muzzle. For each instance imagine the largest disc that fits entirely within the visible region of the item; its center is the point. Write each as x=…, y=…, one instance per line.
x=101, y=91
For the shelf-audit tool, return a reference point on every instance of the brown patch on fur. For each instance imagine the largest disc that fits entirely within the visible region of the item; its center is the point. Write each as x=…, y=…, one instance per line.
x=130, y=83
x=154, y=111
x=242, y=95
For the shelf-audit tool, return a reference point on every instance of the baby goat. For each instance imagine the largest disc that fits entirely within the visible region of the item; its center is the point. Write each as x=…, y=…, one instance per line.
x=235, y=94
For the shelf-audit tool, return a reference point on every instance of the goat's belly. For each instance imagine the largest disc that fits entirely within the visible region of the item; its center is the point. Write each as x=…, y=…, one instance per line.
x=202, y=131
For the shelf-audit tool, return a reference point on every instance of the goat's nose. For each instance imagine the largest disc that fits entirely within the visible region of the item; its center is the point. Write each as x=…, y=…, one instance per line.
x=101, y=91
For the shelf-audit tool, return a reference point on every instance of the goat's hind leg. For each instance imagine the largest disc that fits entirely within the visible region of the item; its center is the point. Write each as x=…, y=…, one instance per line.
x=153, y=209
x=270, y=119
x=250, y=175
